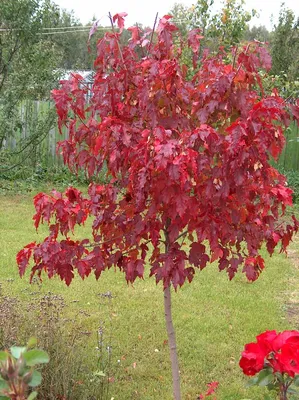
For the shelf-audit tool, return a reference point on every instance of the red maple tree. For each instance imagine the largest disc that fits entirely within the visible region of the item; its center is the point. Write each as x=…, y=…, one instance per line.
x=190, y=181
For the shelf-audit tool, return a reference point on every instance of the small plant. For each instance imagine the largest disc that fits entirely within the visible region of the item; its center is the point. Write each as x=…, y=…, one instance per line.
x=273, y=360
x=17, y=371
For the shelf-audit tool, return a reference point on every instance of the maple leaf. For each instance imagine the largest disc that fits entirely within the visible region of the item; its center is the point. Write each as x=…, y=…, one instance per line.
x=165, y=23
x=194, y=38
x=197, y=255
x=135, y=30
x=120, y=18
x=23, y=257
x=66, y=274
x=253, y=267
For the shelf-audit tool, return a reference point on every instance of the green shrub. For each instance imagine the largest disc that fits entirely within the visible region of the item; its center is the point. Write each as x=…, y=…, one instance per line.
x=74, y=372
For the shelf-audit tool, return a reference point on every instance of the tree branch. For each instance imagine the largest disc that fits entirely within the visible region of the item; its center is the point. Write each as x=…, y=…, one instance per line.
x=152, y=35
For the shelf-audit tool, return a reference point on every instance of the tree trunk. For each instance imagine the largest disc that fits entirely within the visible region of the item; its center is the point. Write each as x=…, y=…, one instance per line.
x=172, y=346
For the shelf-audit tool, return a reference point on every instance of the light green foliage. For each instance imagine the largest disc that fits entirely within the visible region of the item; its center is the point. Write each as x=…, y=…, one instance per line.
x=228, y=26
x=181, y=17
x=285, y=45
x=200, y=15
x=223, y=28
x=28, y=65
x=288, y=89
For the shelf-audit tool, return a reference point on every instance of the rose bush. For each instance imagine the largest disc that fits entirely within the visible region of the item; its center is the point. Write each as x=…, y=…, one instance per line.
x=275, y=358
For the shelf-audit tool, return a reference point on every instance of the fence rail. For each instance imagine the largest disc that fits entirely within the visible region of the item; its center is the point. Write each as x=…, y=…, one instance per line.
x=45, y=151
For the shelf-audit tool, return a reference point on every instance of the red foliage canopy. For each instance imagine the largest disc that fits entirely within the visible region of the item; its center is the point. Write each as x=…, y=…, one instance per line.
x=188, y=160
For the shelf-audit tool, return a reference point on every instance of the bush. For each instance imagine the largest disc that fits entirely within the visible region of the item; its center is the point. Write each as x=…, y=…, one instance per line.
x=24, y=179
x=74, y=372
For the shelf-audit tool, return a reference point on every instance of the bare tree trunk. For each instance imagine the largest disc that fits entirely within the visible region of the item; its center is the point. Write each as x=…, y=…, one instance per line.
x=172, y=346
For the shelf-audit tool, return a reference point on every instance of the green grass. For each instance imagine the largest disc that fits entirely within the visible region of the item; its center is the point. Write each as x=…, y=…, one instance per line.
x=213, y=317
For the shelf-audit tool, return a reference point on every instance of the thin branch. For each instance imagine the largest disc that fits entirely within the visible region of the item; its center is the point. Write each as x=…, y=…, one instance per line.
x=106, y=241
x=117, y=237
x=181, y=235
x=235, y=55
x=152, y=35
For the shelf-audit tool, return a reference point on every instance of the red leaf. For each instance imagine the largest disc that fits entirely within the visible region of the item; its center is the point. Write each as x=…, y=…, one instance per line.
x=197, y=255
x=135, y=30
x=23, y=257
x=194, y=38
x=120, y=18
x=253, y=267
x=65, y=272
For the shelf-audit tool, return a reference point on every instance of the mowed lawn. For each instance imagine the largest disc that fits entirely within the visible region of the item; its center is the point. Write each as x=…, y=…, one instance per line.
x=213, y=317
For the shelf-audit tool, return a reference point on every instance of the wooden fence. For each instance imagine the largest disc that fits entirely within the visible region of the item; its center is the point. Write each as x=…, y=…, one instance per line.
x=289, y=158
x=45, y=151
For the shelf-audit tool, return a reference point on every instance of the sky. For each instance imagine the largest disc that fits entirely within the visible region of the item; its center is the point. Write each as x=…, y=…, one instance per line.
x=144, y=12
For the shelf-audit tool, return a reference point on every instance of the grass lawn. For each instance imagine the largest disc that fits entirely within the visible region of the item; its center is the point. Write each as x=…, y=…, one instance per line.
x=213, y=317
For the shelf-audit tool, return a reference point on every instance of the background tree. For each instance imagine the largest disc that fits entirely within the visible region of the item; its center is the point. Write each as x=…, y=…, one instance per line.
x=181, y=17
x=38, y=42
x=28, y=71
x=70, y=36
x=260, y=33
x=222, y=28
x=229, y=25
x=285, y=45
x=200, y=15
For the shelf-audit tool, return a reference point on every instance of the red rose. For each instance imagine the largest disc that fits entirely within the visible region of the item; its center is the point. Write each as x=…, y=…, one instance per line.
x=266, y=339
x=283, y=337
x=252, y=360
x=288, y=358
